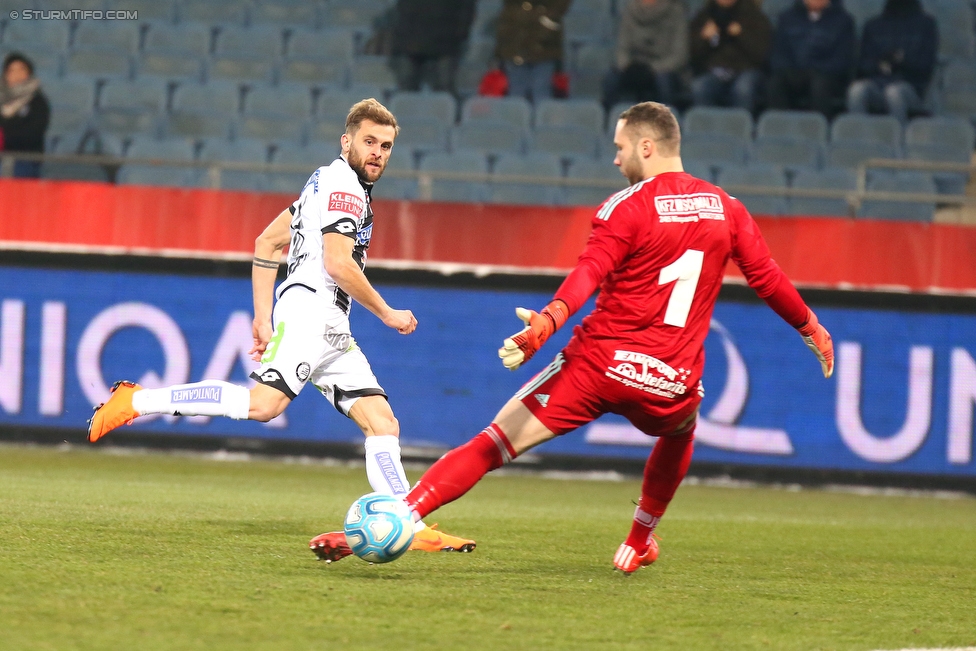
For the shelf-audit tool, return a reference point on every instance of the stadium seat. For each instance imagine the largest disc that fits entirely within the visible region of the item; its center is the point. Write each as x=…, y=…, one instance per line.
x=99, y=63
x=488, y=137
x=326, y=132
x=884, y=181
x=584, y=113
x=241, y=150
x=855, y=128
x=587, y=27
x=284, y=13
x=169, y=175
x=173, y=67
x=409, y=107
x=333, y=105
x=852, y=154
x=699, y=169
x=451, y=190
x=828, y=179
x=789, y=153
x=589, y=65
x=567, y=142
x=323, y=74
x=122, y=35
x=955, y=22
x=735, y=180
x=392, y=186
x=334, y=45
x=512, y=110
x=526, y=194
x=159, y=11
x=276, y=113
x=261, y=42
x=204, y=110
x=943, y=139
x=474, y=64
x=52, y=35
x=772, y=8
x=862, y=11
x=602, y=180
x=307, y=159
x=374, y=71
x=213, y=12
x=188, y=38
x=734, y=122
x=716, y=149
x=48, y=64
x=359, y=14
x=128, y=107
x=809, y=125
x=423, y=136
x=75, y=94
x=83, y=141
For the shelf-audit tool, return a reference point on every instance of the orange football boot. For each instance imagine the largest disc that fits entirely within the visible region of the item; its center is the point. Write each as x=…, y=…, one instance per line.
x=430, y=539
x=116, y=412
x=330, y=546
x=628, y=561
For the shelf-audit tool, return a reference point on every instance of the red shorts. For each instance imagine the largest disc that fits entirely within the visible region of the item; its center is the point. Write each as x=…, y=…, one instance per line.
x=570, y=393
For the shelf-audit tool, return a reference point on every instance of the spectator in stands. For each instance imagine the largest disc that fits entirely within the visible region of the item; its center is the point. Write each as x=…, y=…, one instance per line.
x=652, y=49
x=24, y=112
x=428, y=40
x=730, y=42
x=813, y=56
x=898, y=56
x=529, y=45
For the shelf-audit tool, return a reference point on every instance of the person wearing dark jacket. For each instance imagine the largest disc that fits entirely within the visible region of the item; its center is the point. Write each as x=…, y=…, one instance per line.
x=898, y=56
x=813, y=56
x=428, y=40
x=529, y=45
x=652, y=50
x=24, y=112
x=730, y=42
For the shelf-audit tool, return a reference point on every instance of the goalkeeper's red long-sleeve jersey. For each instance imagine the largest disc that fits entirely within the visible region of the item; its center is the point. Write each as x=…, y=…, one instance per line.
x=657, y=251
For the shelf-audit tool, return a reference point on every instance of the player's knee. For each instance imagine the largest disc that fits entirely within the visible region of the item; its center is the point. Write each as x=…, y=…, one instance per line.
x=264, y=410
x=378, y=425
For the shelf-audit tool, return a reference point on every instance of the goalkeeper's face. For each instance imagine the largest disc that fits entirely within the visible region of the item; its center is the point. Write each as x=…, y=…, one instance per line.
x=368, y=150
x=628, y=158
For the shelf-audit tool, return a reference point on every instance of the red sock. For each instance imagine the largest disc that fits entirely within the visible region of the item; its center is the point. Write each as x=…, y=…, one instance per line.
x=459, y=470
x=665, y=468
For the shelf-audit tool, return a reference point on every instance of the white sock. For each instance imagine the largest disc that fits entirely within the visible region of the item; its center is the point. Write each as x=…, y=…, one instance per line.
x=207, y=398
x=384, y=468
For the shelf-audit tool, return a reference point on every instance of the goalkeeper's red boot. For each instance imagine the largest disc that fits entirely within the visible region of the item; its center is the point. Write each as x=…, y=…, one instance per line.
x=628, y=561
x=330, y=546
x=430, y=539
x=116, y=412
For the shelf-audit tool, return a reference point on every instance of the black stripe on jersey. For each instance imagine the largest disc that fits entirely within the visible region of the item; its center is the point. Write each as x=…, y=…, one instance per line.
x=291, y=209
x=272, y=378
x=345, y=227
x=293, y=286
x=341, y=300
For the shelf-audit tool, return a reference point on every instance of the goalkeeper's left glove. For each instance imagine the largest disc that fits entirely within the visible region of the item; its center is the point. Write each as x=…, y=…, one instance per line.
x=817, y=339
x=539, y=326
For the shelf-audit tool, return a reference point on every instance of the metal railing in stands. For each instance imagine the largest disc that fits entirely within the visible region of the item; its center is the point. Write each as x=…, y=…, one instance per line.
x=854, y=198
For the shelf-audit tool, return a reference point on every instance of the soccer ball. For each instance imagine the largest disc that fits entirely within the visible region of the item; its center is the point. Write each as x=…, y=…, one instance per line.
x=379, y=528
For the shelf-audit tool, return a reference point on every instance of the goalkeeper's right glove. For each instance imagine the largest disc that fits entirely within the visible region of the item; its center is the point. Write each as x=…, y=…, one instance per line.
x=817, y=339
x=521, y=346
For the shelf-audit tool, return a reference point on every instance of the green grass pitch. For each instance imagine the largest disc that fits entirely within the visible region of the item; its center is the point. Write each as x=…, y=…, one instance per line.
x=160, y=551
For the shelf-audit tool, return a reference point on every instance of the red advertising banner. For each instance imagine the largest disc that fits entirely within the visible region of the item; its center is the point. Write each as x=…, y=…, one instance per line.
x=814, y=251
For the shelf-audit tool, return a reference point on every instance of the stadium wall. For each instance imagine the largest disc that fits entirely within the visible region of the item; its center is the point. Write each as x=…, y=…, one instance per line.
x=815, y=252
x=901, y=402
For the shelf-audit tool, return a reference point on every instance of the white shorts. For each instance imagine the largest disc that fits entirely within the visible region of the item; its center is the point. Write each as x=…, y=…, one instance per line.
x=312, y=343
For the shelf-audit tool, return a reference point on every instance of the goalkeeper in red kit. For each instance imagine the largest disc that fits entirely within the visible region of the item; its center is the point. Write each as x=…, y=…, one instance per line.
x=657, y=252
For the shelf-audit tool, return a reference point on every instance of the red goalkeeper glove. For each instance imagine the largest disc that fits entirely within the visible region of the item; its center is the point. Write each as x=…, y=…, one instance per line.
x=539, y=326
x=817, y=339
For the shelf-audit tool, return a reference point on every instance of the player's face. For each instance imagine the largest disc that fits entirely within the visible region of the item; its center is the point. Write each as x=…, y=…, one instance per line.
x=369, y=149
x=627, y=159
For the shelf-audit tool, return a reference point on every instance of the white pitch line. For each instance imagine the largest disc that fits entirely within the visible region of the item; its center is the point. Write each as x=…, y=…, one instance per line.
x=947, y=648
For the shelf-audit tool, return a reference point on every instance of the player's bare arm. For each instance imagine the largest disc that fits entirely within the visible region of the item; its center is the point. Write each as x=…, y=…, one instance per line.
x=340, y=264
x=268, y=248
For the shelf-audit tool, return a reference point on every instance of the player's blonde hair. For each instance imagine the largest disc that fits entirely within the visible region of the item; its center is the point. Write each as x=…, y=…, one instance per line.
x=657, y=121
x=372, y=110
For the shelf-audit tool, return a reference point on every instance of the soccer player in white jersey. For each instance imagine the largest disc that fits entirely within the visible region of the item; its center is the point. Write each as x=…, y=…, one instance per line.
x=304, y=335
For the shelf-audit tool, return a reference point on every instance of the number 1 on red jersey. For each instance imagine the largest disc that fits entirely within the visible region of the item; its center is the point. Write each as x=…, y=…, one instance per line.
x=686, y=270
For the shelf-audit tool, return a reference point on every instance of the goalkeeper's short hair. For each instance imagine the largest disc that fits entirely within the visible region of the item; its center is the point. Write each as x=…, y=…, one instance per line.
x=370, y=109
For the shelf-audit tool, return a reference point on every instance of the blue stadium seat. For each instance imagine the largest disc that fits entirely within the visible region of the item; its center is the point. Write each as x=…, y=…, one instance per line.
x=72, y=103
x=587, y=27
x=422, y=136
x=809, y=125
x=606, y=176
x=715, y=148
x=584, y=113
x=855, y=128
x=242, y=150
x=488, y=137
x=791, y=154
x=395, y=187
x=526, y=194
x=733, y=180
x=884, y=181
x=160, y=11
x=699, y=169
x=285, y=13
x=188, y=38
x=276, y=113
x=334, y=45
x=127, y=107
x=850, y=155
x=512, y=110
x=333, y=105
x=474, y=63
x=52, y=35
x=168, y=175
x=99, y=63
x=374, y=71
x=204, y=110
x=121, y=35
x=358, y=14
x=80, y=142
x=734, y=122
x=955, y=21
x=247, y=53
x=568, y=142
x=323, y=74
x=589, y=65
x=308, y=158
x=412, y=107
x=943, y=139
x=213, y=12
x=828, y=179
x=450, y=190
